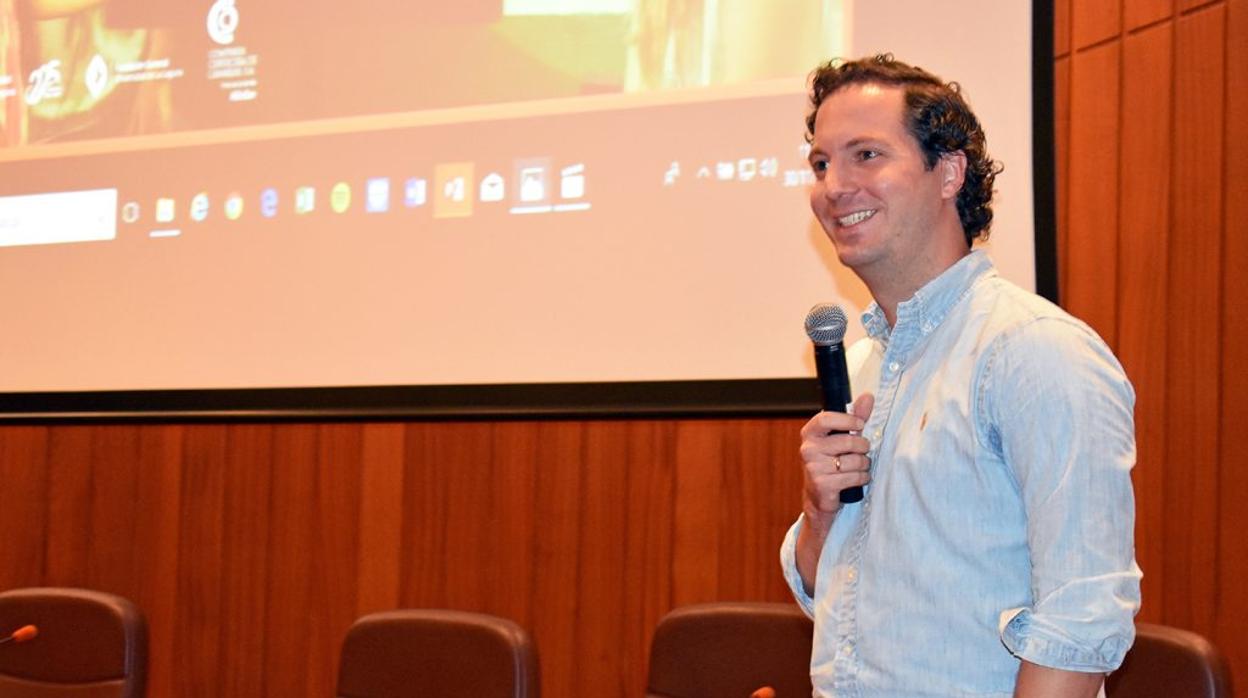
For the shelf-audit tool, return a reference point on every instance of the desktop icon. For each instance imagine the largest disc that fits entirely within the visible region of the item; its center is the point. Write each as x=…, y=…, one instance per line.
x=305, y=200
x=130, y=212
x=165, y=210
x=199, y=207
x=572, y=182
x=452, y=186
x=234, y=206
x=532, y=189
x=746, y=169
x=377, y=195
x=414, y=192
x=268, y=202
x=724, y=170
x=672, y=173
x=493, y=187
x=340, y=197
x=532, y=184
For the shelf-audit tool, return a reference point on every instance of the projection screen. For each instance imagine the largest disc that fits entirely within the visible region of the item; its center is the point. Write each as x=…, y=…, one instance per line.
x=232, y=208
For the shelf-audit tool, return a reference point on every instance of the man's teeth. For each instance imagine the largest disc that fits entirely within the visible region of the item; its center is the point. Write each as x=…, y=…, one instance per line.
x=854, y=218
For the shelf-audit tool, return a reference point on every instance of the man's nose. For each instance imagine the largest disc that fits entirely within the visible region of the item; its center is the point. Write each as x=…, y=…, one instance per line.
x=838, y=183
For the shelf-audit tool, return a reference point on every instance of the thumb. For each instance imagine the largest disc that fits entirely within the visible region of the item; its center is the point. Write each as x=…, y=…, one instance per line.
x=862, y=406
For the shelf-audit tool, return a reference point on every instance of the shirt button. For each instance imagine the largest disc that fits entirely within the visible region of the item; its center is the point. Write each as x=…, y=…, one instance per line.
x=852, y=574
x=848, y=649
x=927, y=327
x=894, y=367
x=876, y=436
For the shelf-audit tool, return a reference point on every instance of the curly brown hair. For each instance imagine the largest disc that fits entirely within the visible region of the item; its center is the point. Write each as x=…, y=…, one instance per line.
x=938, y=118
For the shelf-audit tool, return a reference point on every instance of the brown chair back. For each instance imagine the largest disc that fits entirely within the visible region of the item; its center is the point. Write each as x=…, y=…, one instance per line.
x=90, y=644
x=729, y=650
x=1166, y=662
x=437, y=654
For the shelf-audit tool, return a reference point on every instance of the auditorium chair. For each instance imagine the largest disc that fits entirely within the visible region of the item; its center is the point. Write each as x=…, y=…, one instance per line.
x=1168, y=662
x=731, y=650
x=86, y=644
x=437, y=654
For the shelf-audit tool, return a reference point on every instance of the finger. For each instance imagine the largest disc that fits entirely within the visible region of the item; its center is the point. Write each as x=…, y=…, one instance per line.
x=824, y=422
x=826, y=446
x=862, y=407
x=841, y=463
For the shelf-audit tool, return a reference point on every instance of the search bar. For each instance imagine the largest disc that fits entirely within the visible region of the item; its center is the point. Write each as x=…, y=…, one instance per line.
x=58, y=217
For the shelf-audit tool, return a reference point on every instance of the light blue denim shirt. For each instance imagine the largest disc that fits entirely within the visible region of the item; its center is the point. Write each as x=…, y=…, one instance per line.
x=998, y=524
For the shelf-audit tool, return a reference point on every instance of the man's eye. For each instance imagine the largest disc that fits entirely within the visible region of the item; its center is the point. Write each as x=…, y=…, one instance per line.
x=819, y=165
x=867, y=155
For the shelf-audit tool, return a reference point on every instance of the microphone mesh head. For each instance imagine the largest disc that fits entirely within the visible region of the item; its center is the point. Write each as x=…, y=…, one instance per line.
x=825, y=324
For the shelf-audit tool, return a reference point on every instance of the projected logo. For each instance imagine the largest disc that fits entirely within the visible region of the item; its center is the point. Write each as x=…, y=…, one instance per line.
x=452, y=186
x=223, y=21
x=97, y=76
x=45, y=82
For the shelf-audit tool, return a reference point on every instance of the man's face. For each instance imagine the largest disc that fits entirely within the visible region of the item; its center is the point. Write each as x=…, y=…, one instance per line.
x=877, y=202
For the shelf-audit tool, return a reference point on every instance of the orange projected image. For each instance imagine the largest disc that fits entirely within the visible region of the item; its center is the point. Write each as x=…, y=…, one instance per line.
x=249, y=194
x=99, y=69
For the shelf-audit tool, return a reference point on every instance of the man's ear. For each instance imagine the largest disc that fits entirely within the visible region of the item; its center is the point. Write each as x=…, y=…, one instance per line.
x=952, y=168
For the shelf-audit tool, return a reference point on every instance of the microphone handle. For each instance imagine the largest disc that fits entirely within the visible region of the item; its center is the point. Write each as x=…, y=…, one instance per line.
x=835, y=392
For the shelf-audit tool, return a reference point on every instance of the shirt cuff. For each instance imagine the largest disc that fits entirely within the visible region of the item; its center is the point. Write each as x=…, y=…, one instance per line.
x=1029, y=637
x=788, y=562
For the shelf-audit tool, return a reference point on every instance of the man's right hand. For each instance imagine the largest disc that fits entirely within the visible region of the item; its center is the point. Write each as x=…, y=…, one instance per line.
x=834, y=458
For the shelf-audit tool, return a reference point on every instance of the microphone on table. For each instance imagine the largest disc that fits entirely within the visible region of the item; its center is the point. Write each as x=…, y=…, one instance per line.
x=825, y=325
x=22, y=634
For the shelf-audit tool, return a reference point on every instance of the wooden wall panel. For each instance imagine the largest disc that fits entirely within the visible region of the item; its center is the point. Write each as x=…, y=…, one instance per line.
x=248, y=476
x=381, y=518
x=69, y=505
x=556, y=562
x=288, y=574
x=1139, y=13
x=1089, y=275
x=1144, y=318
x=1194, y=273
x=200, y=622
x=1094, y=21
x=1232, y=460
x=158, y=537
x=23, y=504
x=1061, y=28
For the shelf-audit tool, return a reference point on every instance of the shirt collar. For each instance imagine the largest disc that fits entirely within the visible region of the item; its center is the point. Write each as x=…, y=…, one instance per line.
x=931, y=303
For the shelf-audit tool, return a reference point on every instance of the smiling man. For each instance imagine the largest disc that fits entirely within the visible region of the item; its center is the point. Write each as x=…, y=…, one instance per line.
x=993, y=553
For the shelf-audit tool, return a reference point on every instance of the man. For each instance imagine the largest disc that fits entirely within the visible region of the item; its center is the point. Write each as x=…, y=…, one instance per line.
x=993, y=552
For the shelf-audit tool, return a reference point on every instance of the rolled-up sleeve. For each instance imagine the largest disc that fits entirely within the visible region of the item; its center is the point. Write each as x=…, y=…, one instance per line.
x=788, y=563
x=1062, y=410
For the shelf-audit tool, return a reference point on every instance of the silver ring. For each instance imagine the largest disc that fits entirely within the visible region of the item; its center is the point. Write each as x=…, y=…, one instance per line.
x=836, y=463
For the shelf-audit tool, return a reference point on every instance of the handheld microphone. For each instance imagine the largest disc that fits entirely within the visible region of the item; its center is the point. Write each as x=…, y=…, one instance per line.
x=825, y=325
x=22, y=634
